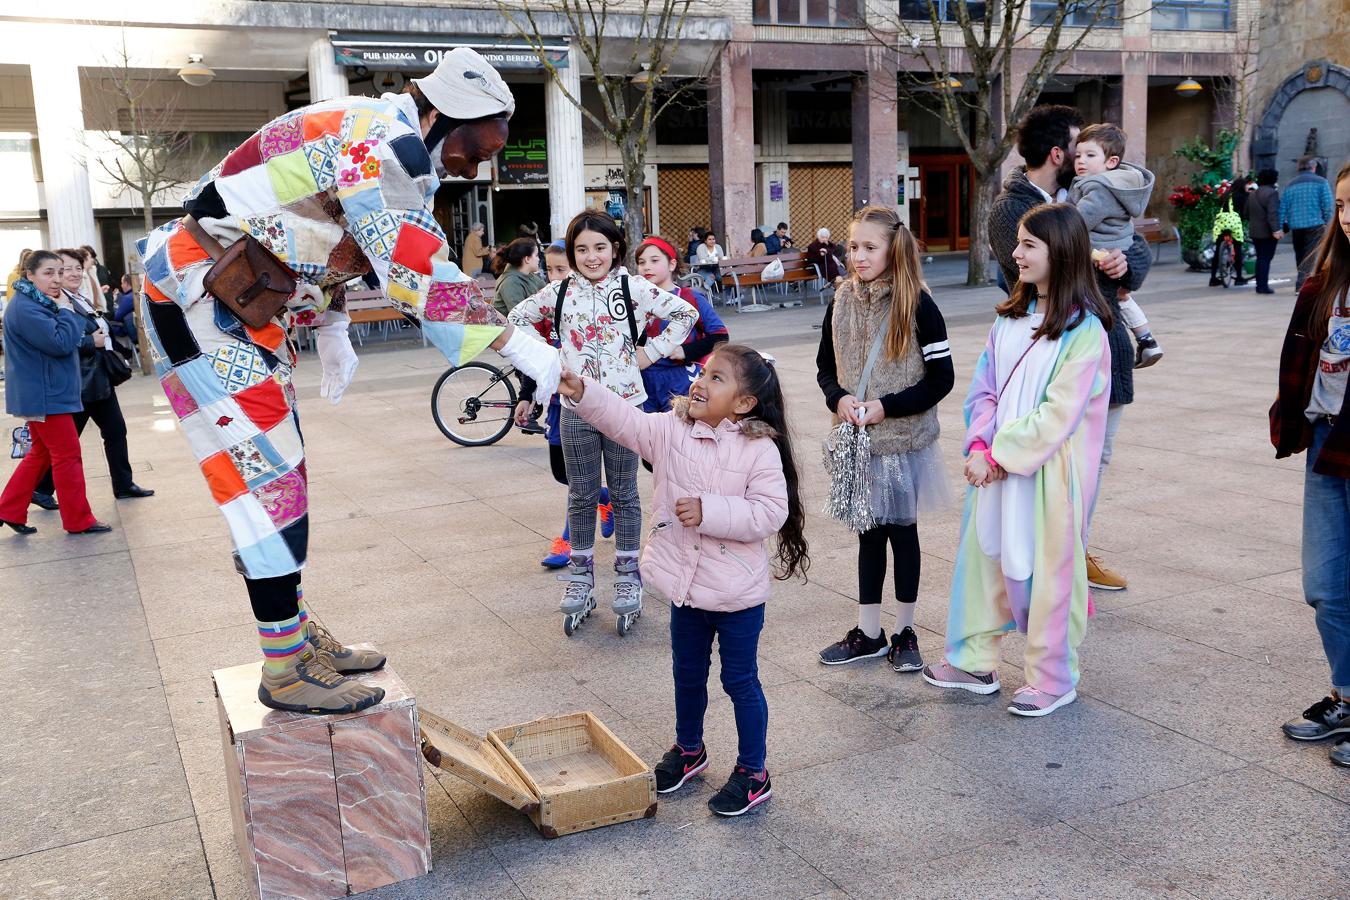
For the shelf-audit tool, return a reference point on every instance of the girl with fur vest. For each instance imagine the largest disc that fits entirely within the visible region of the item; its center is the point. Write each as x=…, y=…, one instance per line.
x=883, y=328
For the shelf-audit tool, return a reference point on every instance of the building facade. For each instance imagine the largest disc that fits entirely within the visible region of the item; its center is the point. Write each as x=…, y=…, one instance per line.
x=795, y=118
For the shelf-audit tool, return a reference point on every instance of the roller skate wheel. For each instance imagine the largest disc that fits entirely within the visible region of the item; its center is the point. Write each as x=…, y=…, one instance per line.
x=569, y=626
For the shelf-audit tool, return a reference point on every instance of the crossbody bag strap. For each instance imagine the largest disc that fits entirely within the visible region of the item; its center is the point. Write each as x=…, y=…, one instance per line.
x=1013, y=371
x=557, y=309
x=212, y=246
x=872, y=355
x=628, y=303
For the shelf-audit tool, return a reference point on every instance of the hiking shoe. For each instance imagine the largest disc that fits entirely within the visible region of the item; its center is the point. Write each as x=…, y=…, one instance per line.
x=310, y=686
x=742, y=793
x=46, y=501
x=1328, y=716
x=1340, y=753
x=1102, y=578
x=1146, y=352
x=559, y=554
x=946, y=675
x=853, y=647
x=678, y=766
x=342, y=659
x=904, y=653
x=1214, y=282
x=1028, y=701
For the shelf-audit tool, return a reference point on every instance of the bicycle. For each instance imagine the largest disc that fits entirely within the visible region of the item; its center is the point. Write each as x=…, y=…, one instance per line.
x=1227, y=271
x=474, y=404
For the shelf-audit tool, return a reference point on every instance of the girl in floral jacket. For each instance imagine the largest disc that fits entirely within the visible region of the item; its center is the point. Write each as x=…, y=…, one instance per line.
x=598, y=314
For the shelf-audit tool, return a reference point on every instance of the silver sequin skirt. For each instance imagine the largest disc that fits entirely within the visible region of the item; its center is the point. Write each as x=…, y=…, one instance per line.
x=907, y=484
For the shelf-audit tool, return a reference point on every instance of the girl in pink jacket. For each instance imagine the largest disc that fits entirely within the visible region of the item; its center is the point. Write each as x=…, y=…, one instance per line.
x=725, y=482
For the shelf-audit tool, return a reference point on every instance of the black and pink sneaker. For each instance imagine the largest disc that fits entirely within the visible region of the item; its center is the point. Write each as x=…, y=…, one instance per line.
x=677, y=767
x=742, y=793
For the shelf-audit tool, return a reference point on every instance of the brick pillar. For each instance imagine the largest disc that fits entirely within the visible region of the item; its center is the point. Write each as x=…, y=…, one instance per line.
x=731, y=147
x=875, y=131
x=1134, y=107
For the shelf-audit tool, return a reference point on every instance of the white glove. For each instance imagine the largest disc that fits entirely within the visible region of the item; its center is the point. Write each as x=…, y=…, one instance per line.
x=336, y=356
x=537, y=360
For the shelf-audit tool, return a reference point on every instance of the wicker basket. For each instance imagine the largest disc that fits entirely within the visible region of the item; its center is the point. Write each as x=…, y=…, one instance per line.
x=568, y=773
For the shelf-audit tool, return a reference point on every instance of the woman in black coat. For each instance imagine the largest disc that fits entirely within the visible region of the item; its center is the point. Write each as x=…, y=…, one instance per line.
x=98, y=393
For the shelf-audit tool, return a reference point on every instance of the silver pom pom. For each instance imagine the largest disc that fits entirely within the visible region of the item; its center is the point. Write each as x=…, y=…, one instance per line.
x=848, y=459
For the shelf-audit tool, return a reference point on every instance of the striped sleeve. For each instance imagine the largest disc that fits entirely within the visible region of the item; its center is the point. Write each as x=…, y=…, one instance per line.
x=938, y=374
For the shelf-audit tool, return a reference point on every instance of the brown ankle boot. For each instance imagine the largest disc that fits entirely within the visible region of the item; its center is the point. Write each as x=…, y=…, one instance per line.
x=310, y=685
x=343, y=659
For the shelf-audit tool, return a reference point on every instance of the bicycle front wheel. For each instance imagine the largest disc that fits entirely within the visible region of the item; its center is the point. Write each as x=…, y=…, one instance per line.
x=1226, y=263
x=473, y=404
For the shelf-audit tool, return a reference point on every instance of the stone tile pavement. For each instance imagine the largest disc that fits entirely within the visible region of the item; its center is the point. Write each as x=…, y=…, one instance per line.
x=1169, y=777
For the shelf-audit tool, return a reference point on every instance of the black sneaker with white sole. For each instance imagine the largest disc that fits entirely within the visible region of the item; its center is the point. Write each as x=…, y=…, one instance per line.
x=1328, y=716
x=678, y=766
x=904, y=654
x=742, y=793
x=854, y=647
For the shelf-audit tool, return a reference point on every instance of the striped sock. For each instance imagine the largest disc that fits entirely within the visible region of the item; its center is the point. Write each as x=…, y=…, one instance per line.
x=281, y=643
x=304, y=611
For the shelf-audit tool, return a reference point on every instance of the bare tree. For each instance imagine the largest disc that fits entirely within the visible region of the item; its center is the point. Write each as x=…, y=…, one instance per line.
x=631, y=100
x=144, y=152
x=992, y=37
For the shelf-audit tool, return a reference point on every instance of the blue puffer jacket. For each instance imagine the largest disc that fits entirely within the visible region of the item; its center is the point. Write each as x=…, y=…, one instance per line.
x=42, y=363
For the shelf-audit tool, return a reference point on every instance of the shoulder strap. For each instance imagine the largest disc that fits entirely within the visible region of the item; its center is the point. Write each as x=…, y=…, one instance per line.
x=872, y=355
x=628, y=304
x=557, y=309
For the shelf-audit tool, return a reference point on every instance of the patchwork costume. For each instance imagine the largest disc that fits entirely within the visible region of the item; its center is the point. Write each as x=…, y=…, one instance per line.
x=338, y=190
x=335, y=190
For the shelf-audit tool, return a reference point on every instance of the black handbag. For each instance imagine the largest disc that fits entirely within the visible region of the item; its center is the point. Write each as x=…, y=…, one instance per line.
x=114, y=366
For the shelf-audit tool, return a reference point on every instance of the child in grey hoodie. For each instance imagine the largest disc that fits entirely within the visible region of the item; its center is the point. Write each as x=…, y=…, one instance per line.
x=1110, y=194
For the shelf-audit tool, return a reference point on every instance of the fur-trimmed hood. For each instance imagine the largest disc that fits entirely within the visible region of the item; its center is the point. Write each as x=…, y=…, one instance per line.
x=751, y=428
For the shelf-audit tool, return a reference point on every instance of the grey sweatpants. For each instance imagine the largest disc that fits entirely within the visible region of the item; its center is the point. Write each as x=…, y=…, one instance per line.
x=584, y=450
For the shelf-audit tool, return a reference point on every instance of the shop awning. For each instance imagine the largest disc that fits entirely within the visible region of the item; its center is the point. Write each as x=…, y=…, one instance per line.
x=403, y=52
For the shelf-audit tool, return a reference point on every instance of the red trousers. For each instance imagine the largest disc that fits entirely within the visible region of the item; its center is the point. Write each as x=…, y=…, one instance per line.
x=55, y=444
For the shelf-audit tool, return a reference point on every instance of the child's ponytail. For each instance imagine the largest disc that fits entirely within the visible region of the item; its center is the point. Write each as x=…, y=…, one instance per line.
x=759, y=379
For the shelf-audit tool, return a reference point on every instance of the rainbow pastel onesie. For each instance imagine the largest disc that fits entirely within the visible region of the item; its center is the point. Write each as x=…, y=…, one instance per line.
x=1022, y=562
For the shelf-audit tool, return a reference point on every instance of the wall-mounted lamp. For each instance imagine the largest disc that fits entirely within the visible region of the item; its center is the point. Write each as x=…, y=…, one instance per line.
x=196, y=72
x=1189, y=88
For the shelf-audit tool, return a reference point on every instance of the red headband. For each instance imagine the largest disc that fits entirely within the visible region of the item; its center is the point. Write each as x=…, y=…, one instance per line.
x=661, y=244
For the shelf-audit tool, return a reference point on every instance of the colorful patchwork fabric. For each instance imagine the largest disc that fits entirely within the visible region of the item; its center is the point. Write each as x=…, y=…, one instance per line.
x=336, y=190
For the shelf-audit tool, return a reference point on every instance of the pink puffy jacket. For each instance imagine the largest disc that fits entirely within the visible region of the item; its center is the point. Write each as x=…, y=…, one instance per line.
x=735, y=469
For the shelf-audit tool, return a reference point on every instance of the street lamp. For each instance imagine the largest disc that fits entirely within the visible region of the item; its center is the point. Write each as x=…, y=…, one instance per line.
x=196, y=72
x=1189, y=87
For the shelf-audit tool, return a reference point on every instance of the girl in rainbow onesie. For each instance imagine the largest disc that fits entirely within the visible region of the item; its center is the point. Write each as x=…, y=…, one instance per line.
x=1035, y=421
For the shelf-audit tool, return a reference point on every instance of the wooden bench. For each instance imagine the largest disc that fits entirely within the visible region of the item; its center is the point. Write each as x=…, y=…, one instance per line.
x=1152, y=231
x=372, y=307
x=745, y=272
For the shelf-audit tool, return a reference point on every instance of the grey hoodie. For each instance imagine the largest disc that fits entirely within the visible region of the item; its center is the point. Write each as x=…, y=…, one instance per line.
x=1110, y=200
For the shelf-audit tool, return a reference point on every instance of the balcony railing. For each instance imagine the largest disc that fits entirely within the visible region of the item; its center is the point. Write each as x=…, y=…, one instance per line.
x=817, y=13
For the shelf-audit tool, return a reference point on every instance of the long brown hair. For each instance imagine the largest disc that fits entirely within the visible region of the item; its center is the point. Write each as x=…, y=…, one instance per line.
x=906, y=278
x=1332, y=270
x=759, y=378
x=1073, y=282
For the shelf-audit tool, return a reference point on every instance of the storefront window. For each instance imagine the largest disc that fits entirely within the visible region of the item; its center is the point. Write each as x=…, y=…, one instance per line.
x=1082, y=13
x=1192, y=15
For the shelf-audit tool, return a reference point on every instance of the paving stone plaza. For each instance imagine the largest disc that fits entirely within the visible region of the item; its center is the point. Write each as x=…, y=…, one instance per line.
x=1169, y=777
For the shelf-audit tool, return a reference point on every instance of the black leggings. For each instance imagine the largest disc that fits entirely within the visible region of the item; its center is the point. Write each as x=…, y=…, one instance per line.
x=904, y=541
x=274, y=599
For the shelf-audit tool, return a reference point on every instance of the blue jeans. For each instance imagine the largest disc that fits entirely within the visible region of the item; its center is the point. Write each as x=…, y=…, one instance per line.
x=1326, y=560
x=691, y=637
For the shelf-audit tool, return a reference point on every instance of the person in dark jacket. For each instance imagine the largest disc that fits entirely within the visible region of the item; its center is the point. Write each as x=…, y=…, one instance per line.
x=98, y=394
x=825, y=255
x=1312, y=412
x=42, y=386
x=1047, y=138
x=1263, y=222
x=123, y=321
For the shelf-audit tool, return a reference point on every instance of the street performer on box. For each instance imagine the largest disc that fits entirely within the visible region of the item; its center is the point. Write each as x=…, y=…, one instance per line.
x=337, y=190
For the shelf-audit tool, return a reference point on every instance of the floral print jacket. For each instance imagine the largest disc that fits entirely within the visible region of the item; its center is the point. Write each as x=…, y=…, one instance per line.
x=596, y=341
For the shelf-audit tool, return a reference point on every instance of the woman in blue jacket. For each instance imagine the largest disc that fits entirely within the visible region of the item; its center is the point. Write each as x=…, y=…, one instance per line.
x=42, y=386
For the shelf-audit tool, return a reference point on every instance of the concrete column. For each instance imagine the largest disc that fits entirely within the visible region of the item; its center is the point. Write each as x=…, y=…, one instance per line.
x=1134, y=107
x=327, y=80
x=731, y=147
x=566, y=175
x=65, y=173
x=773, y=150
x=875, y=131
